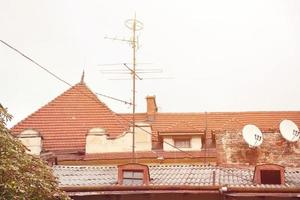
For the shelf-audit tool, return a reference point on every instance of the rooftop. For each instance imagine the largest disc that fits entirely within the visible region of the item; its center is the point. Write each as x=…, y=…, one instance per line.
x=171, y=175
x=64, y=122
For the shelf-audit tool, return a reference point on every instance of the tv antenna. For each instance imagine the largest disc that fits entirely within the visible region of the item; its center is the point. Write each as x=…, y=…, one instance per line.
x=134, y=25
x=252, y=135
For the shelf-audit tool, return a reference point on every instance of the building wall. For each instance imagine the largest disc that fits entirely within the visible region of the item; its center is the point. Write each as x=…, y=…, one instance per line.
x=231, y=149
x=97, y=141
x=196, y=144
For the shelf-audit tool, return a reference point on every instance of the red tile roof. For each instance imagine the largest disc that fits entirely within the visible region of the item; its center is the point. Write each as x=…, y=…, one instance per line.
x=221, y=120
x=181, y=127
x=65, y=121
x=218, y=121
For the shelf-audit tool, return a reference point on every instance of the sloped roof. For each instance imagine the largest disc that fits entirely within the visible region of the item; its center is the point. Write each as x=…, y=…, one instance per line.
x=174, y=175
x=181, y=127
x=265, y=120
x=65, y=121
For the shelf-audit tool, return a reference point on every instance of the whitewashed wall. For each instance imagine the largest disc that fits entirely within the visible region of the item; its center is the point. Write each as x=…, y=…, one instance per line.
x=196, y=144
x=98, y=142
x=32, y=140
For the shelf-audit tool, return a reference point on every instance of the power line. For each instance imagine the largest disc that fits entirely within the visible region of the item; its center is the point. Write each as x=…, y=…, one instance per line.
x=62, y=80
x=67, y=83
x=54, y=75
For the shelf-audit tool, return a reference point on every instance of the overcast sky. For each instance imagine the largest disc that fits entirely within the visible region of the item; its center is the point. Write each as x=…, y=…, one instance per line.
x=221, y=55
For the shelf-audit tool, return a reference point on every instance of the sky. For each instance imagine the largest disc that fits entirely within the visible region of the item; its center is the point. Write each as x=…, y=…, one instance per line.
x=214, y=55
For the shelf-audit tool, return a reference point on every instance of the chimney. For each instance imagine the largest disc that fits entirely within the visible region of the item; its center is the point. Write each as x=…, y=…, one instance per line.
x=151, y=107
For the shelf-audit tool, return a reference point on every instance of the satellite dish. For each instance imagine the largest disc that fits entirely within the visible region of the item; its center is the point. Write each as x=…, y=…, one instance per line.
x=289, y=130
x=252, y=135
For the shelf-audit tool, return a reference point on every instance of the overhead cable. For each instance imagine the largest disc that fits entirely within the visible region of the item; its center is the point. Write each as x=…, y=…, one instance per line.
x=54, y=75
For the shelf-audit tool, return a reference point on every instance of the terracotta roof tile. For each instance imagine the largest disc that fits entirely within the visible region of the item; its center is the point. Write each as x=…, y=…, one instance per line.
x=181, y=127
x=218, y=120
x=65, y=121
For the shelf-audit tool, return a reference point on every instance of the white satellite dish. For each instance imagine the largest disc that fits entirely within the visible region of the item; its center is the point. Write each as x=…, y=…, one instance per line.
x=289, y=130
x=252, y=135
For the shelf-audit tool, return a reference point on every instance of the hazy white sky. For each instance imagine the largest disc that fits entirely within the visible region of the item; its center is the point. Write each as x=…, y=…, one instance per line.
x=222, y=55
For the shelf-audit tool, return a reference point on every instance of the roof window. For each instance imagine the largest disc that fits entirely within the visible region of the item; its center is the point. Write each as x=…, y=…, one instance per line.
x=269, y=174
x=133, y=174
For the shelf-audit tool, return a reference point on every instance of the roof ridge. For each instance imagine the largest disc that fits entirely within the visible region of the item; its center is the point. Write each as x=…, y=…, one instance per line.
x=112, y=112
x=76, y=88
x=41, y=107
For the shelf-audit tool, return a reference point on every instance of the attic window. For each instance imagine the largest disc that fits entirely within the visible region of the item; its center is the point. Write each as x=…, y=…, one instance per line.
x=133, y=174
x=269, y=174
x=270, y=177
x=133, y=177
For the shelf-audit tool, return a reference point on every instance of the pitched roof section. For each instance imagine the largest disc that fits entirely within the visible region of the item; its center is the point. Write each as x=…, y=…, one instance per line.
x=265, y=120
x=179, y=174
x=181, y=127
x=65, y=121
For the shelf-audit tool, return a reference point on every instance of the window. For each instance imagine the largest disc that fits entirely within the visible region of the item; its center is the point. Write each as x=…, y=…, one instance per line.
x=133, y=177
x=269, y=174
x=182, y=143
x=133, y=174
x=270, y=177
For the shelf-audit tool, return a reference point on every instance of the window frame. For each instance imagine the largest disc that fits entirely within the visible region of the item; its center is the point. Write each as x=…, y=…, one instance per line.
x=133, y=167
x=257, y=177
x=132, y=178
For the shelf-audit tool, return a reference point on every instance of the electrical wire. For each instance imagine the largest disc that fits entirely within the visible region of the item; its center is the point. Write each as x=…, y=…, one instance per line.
x=67, y=83
x=113, y=98
x=54, y=75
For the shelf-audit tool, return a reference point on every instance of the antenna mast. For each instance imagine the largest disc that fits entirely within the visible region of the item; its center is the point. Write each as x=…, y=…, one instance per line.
x=133, y=25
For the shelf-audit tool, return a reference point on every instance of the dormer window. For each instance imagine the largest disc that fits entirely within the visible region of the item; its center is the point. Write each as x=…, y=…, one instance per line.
x=131, y=177
x=133, y=174
x=269, y=174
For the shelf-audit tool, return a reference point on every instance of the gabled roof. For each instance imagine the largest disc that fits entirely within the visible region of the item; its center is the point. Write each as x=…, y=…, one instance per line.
x=65, y=121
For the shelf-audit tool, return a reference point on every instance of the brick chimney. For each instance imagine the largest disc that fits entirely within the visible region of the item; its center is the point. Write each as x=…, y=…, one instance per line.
x=151, y=107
